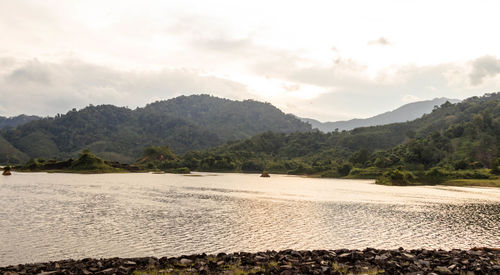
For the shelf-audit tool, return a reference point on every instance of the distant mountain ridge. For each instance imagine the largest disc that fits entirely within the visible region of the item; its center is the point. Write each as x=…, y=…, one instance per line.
x=404, y=113
x=117, y=133
x=11, y=122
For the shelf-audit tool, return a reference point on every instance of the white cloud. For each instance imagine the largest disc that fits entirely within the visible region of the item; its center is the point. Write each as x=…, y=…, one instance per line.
x=42, y=88
x=129, y=53
x=381, y=41
x=484, y=67
x=410, y=98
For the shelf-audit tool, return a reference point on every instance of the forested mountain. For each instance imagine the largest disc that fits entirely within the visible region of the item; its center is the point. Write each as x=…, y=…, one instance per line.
x=404, y=113
x=11, y=122
x=453, y=137
x=121, y=134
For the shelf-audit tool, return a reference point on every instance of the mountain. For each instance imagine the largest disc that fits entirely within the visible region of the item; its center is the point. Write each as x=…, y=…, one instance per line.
x=404, y=113
x=12, y=122
x=453, y=137
x=121, y=134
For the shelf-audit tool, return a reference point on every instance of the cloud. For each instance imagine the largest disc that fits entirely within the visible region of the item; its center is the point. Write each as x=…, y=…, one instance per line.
x=350, y=89
x=484, y=67
x=381, y=41
x=43, y=88
x=410, y=98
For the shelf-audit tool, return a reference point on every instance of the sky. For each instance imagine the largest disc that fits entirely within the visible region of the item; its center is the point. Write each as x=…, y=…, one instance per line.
x=327, y=60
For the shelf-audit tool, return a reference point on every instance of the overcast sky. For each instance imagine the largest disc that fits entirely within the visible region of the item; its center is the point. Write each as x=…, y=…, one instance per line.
x=328, y=60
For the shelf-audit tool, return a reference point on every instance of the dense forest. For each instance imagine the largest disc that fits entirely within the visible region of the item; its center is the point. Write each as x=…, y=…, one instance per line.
x=12, y=122
x=454, y=141
x=121, y=134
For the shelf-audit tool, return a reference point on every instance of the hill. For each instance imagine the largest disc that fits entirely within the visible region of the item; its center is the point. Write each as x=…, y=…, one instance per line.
x=454, y=139
x=120, y=134
x=12, y=122
x=404, y=113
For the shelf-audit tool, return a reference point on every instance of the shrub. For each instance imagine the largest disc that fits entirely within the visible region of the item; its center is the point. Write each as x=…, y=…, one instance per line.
x=436, y=175
x=397, y=177
x=365, y=173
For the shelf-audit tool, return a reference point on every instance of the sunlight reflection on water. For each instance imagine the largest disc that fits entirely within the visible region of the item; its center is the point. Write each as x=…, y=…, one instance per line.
x=55, y=216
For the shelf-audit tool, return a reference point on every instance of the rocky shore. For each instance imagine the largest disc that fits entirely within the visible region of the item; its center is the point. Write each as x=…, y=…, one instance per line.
x=343, y=261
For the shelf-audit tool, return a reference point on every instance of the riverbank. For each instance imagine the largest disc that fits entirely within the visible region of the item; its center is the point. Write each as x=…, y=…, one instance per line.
x=343, y=261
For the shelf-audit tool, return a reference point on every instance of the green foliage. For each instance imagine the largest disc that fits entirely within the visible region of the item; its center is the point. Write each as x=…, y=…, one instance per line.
x=495, y=166
x=33, y=165
x=184, y=123
x=12, y=122
x=90, y=162
x=157, y=154
x=180, y=170
x=397, y=177
x=360, y=157
x=365, y=173
x=9, y=154
x=435, y=175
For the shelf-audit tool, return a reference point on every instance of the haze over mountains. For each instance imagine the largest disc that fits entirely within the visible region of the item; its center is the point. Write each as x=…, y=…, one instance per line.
x=404, y=113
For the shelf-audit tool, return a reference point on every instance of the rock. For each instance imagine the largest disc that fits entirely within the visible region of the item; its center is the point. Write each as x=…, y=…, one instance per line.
x=442, y=270
x=260, y=258
x=424, y=263
x=185, y=261
x=107, y=271
x=416, y=261
x=344, y=255
x=408, y=255
x=382, y=257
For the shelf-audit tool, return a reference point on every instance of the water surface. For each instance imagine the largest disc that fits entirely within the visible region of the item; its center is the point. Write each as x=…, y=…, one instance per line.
x=47, y=217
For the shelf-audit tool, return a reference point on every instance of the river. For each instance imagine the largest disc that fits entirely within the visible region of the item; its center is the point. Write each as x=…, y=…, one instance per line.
x=47, y=217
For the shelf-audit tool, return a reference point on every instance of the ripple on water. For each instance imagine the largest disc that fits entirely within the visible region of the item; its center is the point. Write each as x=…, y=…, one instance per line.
x=54, y=216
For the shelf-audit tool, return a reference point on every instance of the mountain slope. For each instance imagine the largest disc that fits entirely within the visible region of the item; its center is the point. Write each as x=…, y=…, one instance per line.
x=232, y=119
x=456, y=136
x=11, y=122
x=117, y=133
x=404, y=113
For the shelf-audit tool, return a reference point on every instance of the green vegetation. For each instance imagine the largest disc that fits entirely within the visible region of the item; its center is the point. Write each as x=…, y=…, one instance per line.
x=397, y=177
x=455, y=141
x=86, y=163
x=455, y=144
x=12, y=122
x=121, y=134
x=90, y=162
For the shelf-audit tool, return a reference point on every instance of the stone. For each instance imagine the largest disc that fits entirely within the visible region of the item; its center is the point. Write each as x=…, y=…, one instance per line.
x=185, y=261
x=344, y=255
x=442, y=270
x=408, y=256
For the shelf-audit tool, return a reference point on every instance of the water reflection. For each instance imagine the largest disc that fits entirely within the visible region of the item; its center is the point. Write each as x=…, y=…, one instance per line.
x=54, y=216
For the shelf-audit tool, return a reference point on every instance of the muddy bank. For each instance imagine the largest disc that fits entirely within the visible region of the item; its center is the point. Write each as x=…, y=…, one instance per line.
x=343, y=261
